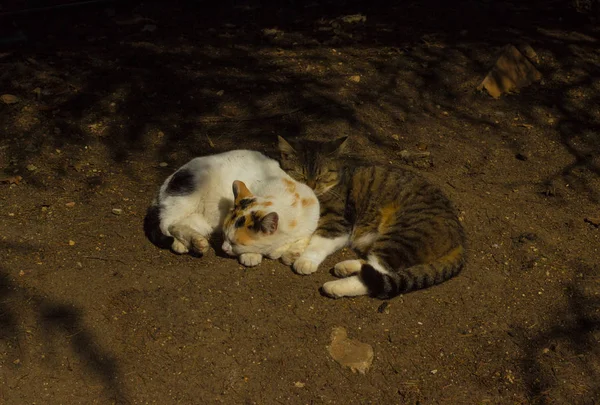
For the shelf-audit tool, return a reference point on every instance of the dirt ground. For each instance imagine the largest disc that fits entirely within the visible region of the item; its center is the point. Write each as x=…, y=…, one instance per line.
x=112, y=98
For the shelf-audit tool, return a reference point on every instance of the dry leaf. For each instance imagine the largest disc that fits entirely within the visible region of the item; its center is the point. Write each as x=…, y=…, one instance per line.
x=11, y=180
x=511, y=72
x=9, y=99
x=593, y=220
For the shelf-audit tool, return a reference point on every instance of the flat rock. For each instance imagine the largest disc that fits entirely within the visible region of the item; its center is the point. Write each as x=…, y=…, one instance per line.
x=350, y=353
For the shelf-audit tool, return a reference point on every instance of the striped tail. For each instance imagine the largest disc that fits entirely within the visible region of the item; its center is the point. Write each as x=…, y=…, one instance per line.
x=152, y=228
x=390, y=284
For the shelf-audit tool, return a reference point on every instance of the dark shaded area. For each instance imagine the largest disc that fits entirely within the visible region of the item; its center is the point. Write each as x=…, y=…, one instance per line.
x=199, y=58
x=571, y=340
x=152, y=230
x=59, y=322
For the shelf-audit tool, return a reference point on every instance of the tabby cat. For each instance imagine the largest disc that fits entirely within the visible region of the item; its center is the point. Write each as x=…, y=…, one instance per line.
x=196, y=201
x=404, y=229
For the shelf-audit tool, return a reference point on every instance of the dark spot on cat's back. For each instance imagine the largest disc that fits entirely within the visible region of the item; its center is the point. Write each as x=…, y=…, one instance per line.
x=182, y=183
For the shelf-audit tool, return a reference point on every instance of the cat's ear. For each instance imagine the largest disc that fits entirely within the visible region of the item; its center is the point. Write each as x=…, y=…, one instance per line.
x=285, y=147
x=338, y=146
x=268, y=223
x=240, y=190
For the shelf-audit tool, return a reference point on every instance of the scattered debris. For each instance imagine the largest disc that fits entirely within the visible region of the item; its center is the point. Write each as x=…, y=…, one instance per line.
x=354, y=18
x=272, y=32
x=70, y=204
x=149, y=28
x=32, y=168
x=526, y=237
x=117, y=211
x=382, y=308
x=9, y=99
x=593, y=221
x=350, y=353
x=355, y=78
x=71, y=243
x=299, y=384
x=420, y=160
x=528, y=126
x=136, y=19
x=511, y=72
x=11, y=180
x=220, y=93
x=521, y=156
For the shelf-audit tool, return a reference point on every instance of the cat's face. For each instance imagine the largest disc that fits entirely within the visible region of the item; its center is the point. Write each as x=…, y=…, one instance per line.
x=249, y=223
x=313, y=163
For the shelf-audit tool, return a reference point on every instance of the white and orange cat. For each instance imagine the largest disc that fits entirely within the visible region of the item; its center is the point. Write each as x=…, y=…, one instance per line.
x=268, y=214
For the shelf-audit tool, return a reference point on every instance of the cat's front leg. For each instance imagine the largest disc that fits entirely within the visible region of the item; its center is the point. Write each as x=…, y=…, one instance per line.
x=318, y=249
x=250, y=259
x=277, y=253
x=294, y=251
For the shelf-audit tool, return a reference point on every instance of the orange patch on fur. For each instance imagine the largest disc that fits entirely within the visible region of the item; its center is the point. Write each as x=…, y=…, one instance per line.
x=387, y=216
x=454, y=256
x=243, y=236
x=308, y=201
x=293, y=223
x=290, y=186
x=266, y=204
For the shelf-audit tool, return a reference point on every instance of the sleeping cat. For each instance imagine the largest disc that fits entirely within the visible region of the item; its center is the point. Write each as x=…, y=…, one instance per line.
x=404, y=229
x=196, y=200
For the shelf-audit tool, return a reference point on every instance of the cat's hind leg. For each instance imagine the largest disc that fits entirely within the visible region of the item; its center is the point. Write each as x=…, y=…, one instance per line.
x=345, y=287
x=192, y=233
x=353, y=285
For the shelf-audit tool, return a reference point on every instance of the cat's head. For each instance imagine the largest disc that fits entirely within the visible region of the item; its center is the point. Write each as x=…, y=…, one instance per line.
x=249, y=223
x=314, y=163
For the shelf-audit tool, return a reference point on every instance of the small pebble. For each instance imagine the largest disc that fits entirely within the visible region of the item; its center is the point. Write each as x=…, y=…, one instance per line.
x=31, y=168
x=70, y=204
x=117, y=211
x=163, y=164
x=355, y=78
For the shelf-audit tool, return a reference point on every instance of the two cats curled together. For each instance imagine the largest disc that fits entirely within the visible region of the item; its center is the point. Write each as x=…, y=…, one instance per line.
x=309, y=205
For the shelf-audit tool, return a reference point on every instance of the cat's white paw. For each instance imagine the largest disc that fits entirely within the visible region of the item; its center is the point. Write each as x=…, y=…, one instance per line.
x=305, y=266
x=346, y=287
x=250, y=259
x=294, y=252
x=178, y=247
x=347, y=268
x=290, y=257
x=200, y=244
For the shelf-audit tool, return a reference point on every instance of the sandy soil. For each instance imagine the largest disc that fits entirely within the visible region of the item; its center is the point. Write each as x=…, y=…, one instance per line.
x=112, y=99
